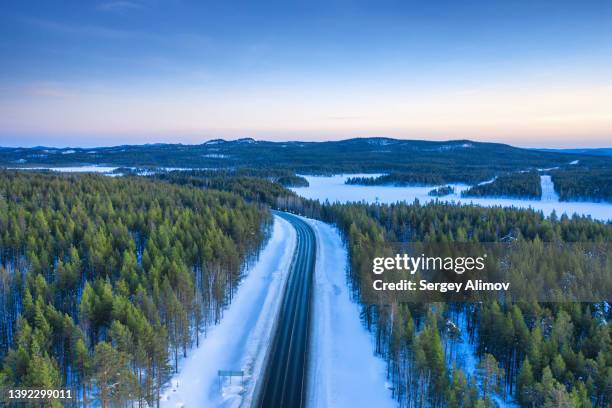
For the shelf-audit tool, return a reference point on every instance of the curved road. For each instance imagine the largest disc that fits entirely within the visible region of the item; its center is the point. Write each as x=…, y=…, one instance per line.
x=285, y=376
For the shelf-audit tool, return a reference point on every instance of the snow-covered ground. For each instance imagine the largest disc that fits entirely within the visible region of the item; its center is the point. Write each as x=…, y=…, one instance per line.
x=464, y=357
x=108, y=170
x=72, y=169
x=548, y=190
x=333, y=189
x=343, y=370
x=242, y=338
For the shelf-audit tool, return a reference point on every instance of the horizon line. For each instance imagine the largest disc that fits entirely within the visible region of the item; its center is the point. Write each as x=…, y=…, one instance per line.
x=228, y=140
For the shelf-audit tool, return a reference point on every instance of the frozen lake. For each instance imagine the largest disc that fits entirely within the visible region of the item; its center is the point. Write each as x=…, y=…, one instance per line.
x=72, y=169
x=333, y=189
x=107, y=170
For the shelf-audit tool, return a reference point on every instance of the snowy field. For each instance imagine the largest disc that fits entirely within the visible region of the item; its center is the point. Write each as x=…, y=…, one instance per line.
x=107, y=170
x=333, y=189
x=241, y=340
x=73, y=169
x=343, y=370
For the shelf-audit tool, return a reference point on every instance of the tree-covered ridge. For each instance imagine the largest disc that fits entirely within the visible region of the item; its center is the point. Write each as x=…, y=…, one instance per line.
x=411, y=161
x=579, y=183
x=540, y=355
x=105, y=281
x=521, y=185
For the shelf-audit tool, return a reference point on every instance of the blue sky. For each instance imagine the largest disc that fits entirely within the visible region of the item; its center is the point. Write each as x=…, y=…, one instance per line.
x=88, y=73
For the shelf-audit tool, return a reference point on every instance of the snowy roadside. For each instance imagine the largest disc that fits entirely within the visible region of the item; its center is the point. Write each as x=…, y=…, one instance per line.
x=241, y=339
x=343, y=370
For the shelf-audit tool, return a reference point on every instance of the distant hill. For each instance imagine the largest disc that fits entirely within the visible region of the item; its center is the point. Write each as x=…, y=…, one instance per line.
x=602, y=151
x=447, y=161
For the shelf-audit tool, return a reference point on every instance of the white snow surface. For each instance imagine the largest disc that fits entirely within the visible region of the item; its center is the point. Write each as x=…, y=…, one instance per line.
x=242, y=338
x=108, y=171
x=72, y=169
x=343, y=370
x=465, y=357
x=333, y=189
x=548, y=190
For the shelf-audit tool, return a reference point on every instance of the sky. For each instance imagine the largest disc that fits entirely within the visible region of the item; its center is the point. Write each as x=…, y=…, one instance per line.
x=108, y=72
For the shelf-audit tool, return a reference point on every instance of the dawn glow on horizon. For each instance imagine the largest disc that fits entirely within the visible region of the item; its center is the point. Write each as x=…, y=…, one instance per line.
x=130, y=72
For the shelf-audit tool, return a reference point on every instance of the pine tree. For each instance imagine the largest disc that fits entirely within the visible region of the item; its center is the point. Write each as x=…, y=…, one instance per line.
x=42, y=372
x=113, y=380
x=83, y=368
x=490, y=375
x=525, y=384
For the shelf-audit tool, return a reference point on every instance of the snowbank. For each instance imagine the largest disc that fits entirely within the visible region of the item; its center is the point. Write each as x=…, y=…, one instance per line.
x=343, y=370
x=242, y=338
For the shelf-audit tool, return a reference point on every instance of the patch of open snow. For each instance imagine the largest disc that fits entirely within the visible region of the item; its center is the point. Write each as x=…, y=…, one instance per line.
x=574, y=162
x=184, y=168
x=108, y=171
x=72, y=169
x=548, y=190
x=381, y=141
x=343, y=370
x=215, y=156
x=464, y=356
x=482, y=183
x=155, y=170
x=242, y=338
x=602, y=311
x=71, y=151
x=450, y=147
x=500, y=402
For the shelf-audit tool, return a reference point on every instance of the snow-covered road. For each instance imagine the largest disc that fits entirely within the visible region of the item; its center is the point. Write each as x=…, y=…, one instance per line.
x=343, y=370
x=242, y=338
